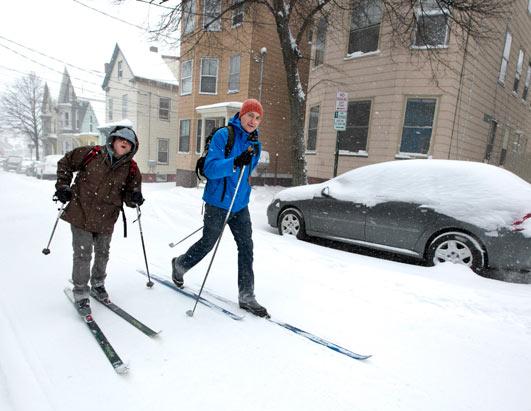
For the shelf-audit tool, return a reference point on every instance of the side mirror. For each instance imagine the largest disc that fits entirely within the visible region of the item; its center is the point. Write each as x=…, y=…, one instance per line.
x=325, y=192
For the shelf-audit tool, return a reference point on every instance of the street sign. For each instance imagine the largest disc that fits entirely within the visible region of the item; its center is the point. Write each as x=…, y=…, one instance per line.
x=340, y=124
x=341, y=101
x=340, y=114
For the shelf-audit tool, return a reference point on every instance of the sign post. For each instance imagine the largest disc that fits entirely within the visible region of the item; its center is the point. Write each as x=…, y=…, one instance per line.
x=340, y=121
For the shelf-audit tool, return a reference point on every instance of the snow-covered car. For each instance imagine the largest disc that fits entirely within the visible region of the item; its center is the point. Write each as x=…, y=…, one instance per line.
x=24, y=165
x=435, y=210
x=47, y=169
x=31, y=170
x=12, y=163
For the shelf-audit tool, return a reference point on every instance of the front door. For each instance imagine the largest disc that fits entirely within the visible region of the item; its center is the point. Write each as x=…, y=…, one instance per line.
x=335, y=218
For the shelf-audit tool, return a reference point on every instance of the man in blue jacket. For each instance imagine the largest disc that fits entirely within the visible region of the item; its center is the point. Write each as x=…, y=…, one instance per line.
x=223, y=174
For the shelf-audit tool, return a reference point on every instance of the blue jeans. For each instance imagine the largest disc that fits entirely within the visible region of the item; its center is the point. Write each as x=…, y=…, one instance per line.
x=241, y=228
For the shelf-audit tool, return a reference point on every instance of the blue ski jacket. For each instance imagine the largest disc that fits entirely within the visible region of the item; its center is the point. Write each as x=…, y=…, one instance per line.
x=219, y=169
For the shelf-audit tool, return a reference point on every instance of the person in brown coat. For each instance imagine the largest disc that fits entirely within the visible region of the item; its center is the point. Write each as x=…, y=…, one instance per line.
x=106, y=177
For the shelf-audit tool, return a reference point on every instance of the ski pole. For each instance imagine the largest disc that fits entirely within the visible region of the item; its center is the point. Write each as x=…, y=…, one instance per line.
x=190, y=313
x=149, y=284
x=188, y=236
x=46, y=250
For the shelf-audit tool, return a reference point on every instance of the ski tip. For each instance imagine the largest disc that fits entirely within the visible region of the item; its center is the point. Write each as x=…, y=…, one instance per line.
x=122, y=369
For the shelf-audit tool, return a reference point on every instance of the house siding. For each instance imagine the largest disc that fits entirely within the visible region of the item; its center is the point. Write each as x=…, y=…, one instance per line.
x=391, y=75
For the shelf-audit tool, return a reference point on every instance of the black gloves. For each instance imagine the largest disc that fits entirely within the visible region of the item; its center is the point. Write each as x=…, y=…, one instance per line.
x=137, y=198
x=63, y=194
x=243, y=159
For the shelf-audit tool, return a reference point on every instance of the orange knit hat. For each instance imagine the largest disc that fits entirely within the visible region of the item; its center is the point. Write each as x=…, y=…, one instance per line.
x=251, y=105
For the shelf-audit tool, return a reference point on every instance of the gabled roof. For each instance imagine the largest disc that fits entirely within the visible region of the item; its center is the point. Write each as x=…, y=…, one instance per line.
x=47, y=102
x=145, y=65
x=66, y=86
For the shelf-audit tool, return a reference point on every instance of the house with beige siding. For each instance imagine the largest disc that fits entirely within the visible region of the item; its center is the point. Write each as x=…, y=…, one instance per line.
x=472, y=103
x=141, y=89
x=223, y=62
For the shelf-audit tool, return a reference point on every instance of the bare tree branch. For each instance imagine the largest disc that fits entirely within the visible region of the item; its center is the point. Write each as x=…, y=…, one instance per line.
x=21, y=108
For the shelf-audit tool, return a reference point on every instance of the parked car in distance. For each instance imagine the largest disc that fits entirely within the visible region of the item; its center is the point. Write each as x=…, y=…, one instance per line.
x=31, y=170
x=47, y=169
x=435, y=210
x=12, y=163
x=24, y=166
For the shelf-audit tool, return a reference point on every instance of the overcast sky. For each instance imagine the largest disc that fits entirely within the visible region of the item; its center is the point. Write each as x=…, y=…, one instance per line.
x=71, y=32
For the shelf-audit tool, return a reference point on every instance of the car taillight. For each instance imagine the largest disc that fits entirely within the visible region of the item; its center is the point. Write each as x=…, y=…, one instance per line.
x=517, y=225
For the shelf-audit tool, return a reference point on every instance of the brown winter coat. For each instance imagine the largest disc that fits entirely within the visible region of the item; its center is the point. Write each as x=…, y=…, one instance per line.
x=99, y=190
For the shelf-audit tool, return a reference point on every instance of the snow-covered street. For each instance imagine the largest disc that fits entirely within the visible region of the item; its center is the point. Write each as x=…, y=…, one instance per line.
x=442, y=338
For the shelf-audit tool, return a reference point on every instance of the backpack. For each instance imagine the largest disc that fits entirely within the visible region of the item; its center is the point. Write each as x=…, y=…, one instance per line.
x=200, y=164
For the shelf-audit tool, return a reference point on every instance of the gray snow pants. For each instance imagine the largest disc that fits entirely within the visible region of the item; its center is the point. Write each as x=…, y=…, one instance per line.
x=83, y=242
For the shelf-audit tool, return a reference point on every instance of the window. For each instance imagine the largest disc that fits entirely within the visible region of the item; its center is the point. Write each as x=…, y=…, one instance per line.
x=211, y=15
x=527, y=80
x=365, y=26
x=163, y=150
x=505, y=145
x=188, y=11
x=164, y=108
x=237, y=13
x=312, y=129
x=209, y=76
x=186, y=78
x=320, y=41
x=418, y=124
x=505, y=57
x=109, y=109
x=198, y=136
x=67, y=119
x=91, y=124
x=492, y=139
x=125, y=99
x=519, y=66
x=184, y=136
x=234, y=74
x=432, y=24
x=120, y=70
x=354, y=138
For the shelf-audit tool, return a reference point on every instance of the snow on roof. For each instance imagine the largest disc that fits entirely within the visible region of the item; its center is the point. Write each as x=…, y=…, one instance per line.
x=147, y=64
x=125, y=122
x=480, y=194
x=226, y=104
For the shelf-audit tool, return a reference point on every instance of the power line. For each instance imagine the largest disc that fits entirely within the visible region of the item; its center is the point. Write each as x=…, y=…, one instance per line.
x=109, y=15
x=130, y=89
x=123, y=21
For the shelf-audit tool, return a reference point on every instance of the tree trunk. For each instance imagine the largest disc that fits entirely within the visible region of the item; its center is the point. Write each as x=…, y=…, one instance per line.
x=297, y=99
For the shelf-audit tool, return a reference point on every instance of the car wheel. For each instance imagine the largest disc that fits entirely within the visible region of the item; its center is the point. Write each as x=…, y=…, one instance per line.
x=291, y=222
x=457, y=248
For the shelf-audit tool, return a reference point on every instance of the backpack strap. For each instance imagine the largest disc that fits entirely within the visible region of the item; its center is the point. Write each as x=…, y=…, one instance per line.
x=87, y=158
x=228, y=149
x=133, y=170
